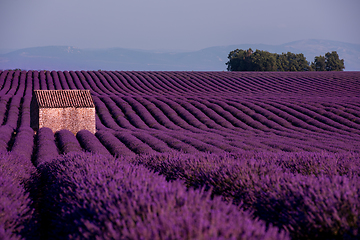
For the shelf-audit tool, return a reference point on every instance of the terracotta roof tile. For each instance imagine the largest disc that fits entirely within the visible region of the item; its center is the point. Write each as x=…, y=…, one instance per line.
x=64, y=98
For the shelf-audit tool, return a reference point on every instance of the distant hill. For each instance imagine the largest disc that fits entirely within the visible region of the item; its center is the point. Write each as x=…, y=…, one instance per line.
x=208, y=59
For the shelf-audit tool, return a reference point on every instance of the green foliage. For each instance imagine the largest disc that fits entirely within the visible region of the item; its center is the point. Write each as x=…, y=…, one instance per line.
x=329, y=62
x=333, y=62
x=239, y=60
x=247, y=60
x=263, y=61
x=319, y=63
x=292, y=62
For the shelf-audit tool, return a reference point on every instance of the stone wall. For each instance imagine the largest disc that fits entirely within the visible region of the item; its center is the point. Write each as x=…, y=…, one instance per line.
x=72, y=119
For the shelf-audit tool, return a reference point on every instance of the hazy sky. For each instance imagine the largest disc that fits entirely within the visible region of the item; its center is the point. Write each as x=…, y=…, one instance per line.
x=174, y=24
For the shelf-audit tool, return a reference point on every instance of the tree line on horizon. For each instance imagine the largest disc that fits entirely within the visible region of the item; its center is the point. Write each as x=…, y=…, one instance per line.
x=248, y=60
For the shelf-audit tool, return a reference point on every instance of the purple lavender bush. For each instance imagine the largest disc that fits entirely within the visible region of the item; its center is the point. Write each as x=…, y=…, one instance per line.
x=93, y=196
x=113, y=144
x=310, y=195
x=153, y=142
x=157, y=114
x=5, y=137
x=13, y=113
x=143, y=113
x=90, y=143
x=67, y=141
x=311, y=207
x=16, y=208
x=24, y=142
x=133, y=143
x=175, y=143
x=104, y=114
x=133, y=118
x=46, y=146
x=116, y=112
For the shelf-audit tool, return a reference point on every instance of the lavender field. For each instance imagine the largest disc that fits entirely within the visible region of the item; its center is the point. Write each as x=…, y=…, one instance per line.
x=185, y=155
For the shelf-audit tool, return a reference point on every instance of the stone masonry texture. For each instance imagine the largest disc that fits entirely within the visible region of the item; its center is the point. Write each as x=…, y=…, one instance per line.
x=72, y=119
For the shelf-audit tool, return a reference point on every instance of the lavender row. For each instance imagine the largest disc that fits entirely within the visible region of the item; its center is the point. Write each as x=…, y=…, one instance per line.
x=113, y=144
x=196, y=114
x=21, y=82
x=76, y=80
x=123, y=83
x=140, y=84
x=24, y=142
x=130, y=114
x=90, y=196
x=282, y=117
x=217, y=110
x=106, y=80
x=134, y=84
x=67, y=142
x=3, y=107
x=104, y=114
x=173, y=115
x=156, y=82
x=13, y=112
x=301, y=120
x=201, y=116
x=46, y=146
x=193, y=85
x=324, y=120
x=6, y=133
x=8, y=82
x=143, y=113
x=113, y=81
x=170, y=84
x=3, y=75
x=189, y=83
x=118, y=114
x=341, y=111
x=315, y=119
x=312, y=196
x=157, y=114
x=174, y=143
x=25, y=114
x=183, y=113
x=133, y=143
x=334, y=119
x=96, y=84
x=198, y=144
x=17, y=218
x=96, y=88
x=155, y=143
x=61, y=79
x=90, y=143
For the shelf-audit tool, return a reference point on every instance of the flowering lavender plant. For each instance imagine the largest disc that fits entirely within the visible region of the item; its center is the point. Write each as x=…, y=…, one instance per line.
x=88, y=196
x=67, y=141
x=311, y=195
x=46, y=146
x=16, y=209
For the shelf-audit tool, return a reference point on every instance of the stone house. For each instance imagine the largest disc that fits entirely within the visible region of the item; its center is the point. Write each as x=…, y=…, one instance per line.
x=73, y=110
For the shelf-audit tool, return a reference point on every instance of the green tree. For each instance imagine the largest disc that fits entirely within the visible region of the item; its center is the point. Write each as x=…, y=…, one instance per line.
x=239, y=60
x=333, y=62
x=292, y=62
x=282, y=62
x=247, y=60
x=319, y=63
x=329, y=62
x=263, y=61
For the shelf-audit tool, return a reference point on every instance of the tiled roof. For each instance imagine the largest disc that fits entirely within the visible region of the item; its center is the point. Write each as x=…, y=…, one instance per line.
x=64, y=98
